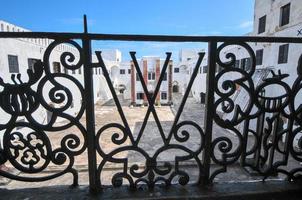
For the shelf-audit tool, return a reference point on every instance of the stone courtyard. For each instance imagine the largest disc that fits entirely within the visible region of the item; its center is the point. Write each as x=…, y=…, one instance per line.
x=106, y=112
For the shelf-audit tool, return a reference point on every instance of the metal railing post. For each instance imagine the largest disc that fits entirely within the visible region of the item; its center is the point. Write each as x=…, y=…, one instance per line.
x=90, y=118
x=209, y=110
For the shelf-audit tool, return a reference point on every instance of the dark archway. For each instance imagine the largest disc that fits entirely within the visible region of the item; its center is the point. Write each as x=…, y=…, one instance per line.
x=175, y=89
x=121, y=88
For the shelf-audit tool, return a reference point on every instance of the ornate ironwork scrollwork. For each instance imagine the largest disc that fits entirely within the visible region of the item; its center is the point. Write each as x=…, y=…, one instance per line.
x=152, y=172
x=26, y=145
x=274, y=132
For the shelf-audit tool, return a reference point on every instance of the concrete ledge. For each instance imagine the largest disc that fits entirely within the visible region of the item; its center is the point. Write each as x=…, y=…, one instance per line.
x=239, y=191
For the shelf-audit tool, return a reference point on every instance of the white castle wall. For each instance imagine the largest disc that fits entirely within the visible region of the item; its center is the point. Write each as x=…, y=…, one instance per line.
x=35, y=48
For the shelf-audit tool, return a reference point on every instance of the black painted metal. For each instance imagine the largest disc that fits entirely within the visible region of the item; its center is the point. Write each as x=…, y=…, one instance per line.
x=20, y=99
x=89, y=103
x=209, y=112
x=151, y=101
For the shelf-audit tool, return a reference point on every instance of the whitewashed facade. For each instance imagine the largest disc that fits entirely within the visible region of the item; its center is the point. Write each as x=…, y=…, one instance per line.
x=183, y=72
x=151, y=67
x=19, y=55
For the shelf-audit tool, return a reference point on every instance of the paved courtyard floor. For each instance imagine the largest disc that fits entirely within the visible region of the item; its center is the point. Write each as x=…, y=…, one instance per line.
x=150, y=141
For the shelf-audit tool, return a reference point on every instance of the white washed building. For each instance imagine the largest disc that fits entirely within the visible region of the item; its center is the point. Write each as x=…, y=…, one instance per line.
x=183, y=72
x=151, y=67
x=19, y=55
x=272, y=18
x=278, y=18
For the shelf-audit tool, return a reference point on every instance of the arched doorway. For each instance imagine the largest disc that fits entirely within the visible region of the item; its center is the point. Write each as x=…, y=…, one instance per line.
x=122, y=88
x=175, y=87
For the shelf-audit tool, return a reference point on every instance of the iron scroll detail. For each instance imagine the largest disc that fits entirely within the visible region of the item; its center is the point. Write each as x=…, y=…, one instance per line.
x=275, y=116
x=26, y=143
x=152, y=172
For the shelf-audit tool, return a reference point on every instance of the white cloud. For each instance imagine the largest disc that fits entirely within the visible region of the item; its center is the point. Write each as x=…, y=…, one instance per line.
x=246, y=25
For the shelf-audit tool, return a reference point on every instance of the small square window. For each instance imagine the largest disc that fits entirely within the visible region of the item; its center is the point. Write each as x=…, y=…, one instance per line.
x=176, y=70
x=13, y=64
x=261, y=25
x=129, y=71
x=284, y=14
x=140, y=96
x=259, y=57
x=205, y=69
x=237, y=63
x=283, y=54
x=246, y=64
x=56, y=67
x=31, y=63
x=151, y=75
x=164, y=95
x=165, y=77
x=122, y=71
x=242, y=63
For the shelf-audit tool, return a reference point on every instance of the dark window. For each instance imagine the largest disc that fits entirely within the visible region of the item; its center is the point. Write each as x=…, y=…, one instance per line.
x=56, y=67
x=261, y=25
x=129, y=71
x=283, y=53
x=165, y=77
x=122, y=71
x=31, y=63
x=237, y=63
x=65, y=70
x=140, y=96
x=80, y=70
x=151, y=75
x=246, y=64
x=96, y=70
x=164, y=95
x=205, y=69
x=73, y=71
x=284, y=14
x=176, y=70
x=137, y=77
x=259, y=57
x=243, y=63
x=99, y=70
x=13, y=64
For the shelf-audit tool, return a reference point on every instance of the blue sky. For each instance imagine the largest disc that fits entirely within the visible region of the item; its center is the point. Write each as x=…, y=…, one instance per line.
x=174, y=17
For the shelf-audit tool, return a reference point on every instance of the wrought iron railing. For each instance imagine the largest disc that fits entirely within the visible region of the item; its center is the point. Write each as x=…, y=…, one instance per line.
x=32, y=153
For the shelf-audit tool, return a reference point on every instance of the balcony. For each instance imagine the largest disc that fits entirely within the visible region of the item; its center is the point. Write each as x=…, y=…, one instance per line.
x=246, y=139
